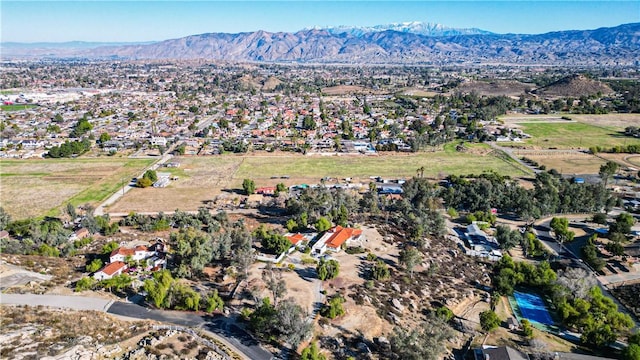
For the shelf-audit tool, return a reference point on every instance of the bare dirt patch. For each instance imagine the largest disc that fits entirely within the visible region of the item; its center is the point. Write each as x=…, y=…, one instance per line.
x=618, y=121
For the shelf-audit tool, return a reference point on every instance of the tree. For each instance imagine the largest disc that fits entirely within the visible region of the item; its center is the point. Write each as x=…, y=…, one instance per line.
x=607, y=170
x=323, y=224
x=328, y=269
x=274, y=281
x=380, y=271
x=94, y=266
x=85, y=283
x=292, y=323
x=527, y=328
x=71, y=211
x=151, y=175
x=104, y=137
x=561, y=228
x=242, y=259
x=444, y=313
x=143, y=183
x=631, y=352
x=280, y=188
x=623, y=224
x=489, y=320
x=109, y=247
x=600, y=218
x=249, y=186
x=410, y=257
x=213, y=302
x=312, y=352
x=5, y=218
x=334, y=307
x=422, y=342
x=507, y=238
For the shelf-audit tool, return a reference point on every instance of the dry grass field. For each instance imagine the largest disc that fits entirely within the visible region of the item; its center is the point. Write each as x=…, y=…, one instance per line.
x=203, y=178
x=37, y=187
x=569, y=163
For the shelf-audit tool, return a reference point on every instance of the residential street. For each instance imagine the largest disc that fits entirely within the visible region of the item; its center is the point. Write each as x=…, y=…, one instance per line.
x=222, y=326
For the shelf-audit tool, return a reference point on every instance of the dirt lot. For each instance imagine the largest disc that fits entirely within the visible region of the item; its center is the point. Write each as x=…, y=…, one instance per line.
x=619, y=121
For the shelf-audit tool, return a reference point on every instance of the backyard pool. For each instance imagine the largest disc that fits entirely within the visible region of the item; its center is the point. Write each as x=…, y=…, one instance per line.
x=532, y=307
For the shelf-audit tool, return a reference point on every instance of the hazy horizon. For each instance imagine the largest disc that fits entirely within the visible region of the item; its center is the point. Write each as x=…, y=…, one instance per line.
x=144, y=21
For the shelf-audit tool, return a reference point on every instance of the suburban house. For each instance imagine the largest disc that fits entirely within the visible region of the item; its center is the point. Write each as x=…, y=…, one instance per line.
x=480, y=244
x=110, y=270
x=137, y=253
x=333, y=239
x=499, y=353
x=296, y=239
x=79, y=234
x=158, y=140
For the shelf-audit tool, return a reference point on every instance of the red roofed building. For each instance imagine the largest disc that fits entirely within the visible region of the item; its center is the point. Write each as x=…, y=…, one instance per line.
x=139, y=252
x=296, y=238
x=270, y=190
x=334, y=238
x=110, y=270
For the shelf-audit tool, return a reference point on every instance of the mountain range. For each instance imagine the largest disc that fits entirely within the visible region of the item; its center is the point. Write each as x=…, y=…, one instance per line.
x=405, y=43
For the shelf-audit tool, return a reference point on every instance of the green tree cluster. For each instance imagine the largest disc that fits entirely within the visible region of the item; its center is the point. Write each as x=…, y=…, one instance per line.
x=69, y=149
x=271, y=242
x=328, y=269
x=560, y=227
x=489, y=320
x=334, y=307
x=509, y=274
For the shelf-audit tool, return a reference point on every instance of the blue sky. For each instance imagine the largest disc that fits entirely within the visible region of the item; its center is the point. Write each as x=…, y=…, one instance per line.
x=54, y=21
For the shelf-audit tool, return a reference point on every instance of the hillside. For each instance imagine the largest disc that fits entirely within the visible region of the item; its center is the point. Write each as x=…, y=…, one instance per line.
x=575, y=86
x=615, y=46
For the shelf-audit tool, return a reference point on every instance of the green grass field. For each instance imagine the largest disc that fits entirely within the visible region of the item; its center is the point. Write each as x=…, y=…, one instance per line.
x=574, y=135
x=580, y=132
x=31, y=188
x=15, y=107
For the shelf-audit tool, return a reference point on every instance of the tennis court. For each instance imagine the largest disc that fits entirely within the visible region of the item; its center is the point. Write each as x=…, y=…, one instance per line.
x=533, y=308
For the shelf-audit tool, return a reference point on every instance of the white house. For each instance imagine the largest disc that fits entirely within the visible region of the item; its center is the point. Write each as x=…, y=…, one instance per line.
x=140, y=252
x=110, y=270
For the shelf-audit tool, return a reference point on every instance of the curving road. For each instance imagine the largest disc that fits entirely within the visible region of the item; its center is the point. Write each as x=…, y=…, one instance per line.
x=225, y=328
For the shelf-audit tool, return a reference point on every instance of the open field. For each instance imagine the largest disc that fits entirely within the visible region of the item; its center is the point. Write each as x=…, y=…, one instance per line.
x=581, y=132
x=39, y=187
x=202, y=178
x=569, y=163
x=15, y=107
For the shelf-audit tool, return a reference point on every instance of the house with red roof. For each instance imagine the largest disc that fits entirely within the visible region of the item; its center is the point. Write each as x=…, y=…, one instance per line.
x=137, y=253
x=110, y=270
x=334, y=238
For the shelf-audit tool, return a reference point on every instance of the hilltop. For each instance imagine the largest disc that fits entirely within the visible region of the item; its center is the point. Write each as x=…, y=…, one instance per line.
x=575, y=85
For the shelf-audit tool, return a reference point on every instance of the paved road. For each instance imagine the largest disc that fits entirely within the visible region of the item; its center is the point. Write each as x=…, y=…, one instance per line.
x=57, y=301
x=509, y=151
x=219, y=325
x=222, y=326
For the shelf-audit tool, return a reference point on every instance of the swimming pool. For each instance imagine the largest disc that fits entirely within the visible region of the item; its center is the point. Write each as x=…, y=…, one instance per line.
x=533, y=308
